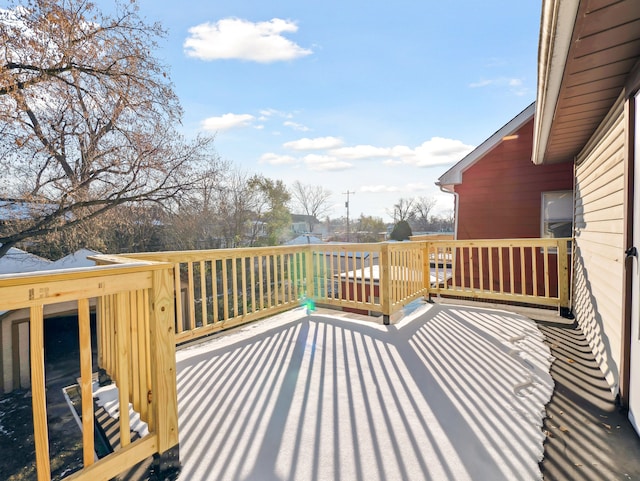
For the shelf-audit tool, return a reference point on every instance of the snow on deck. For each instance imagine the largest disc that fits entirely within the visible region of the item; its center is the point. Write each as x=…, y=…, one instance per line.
x=449, y=392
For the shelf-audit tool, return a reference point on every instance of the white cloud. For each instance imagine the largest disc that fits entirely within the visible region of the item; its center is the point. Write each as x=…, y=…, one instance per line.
x=296, y=126
x=360, y=152
x=481, y=83
x=379, y=188
x=392, y=162
x=515, y=85
x=235, y=38
x=275, y=159
x=227, y=121
x=384, y=189
x=438, y=151
x=267, y=113
x=319, y=143
x=325, y=163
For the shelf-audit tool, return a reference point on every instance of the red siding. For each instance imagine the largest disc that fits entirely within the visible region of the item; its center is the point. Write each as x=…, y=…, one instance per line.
x=500, y=196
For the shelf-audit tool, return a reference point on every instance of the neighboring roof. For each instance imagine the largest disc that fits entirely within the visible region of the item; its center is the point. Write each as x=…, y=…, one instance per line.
x=19, y=261
x=453, y=176
x=303, y=218
x=76, y=259
x=586, y=52
x=304, y=239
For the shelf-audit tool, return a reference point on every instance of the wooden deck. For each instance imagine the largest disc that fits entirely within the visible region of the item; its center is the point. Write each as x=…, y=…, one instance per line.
x=448, y=392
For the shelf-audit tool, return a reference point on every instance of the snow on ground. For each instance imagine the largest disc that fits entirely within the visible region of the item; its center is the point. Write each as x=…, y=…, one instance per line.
x=450, y=392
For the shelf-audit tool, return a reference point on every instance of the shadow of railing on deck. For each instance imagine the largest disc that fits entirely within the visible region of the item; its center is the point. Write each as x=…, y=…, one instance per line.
x=434, y=398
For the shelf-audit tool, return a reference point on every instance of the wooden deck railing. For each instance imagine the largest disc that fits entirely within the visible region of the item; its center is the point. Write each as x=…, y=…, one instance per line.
x=141, y=355
x=152, y=301
x=534, y=271
x=222, y=288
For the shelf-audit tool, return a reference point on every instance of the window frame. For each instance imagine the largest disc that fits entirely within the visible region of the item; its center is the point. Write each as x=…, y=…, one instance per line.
x=544, y=221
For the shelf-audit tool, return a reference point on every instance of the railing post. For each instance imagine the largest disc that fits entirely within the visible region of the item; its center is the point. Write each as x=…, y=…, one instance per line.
x=309, y=272
x=426, y=269
x=164, y=396
x=385, y=284
x=563, y=278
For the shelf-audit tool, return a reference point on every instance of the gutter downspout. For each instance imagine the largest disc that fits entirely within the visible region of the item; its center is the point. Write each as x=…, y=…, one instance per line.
x=456, y=203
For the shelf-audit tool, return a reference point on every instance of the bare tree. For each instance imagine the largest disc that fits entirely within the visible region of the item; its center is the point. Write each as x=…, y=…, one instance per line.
x=402, y=210
x=87, y=116
x=422, y=207
x=313, y=200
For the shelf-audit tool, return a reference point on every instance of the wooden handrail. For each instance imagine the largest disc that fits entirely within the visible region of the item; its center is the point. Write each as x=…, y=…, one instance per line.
x=149, y=302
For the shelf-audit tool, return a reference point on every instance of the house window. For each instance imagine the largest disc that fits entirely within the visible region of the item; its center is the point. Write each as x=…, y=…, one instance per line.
x=557, y=214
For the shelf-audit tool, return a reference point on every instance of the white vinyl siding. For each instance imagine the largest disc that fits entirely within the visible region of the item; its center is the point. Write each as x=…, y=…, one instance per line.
x=599, y=242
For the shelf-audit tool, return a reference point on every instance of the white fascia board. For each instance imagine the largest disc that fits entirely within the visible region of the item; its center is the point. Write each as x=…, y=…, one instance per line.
x=453, y=176
x=556, y=30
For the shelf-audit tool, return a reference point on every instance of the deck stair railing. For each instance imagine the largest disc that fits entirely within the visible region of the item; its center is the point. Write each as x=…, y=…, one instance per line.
x=136, y=323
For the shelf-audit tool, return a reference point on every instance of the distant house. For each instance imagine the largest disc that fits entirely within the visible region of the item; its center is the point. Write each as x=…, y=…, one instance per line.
x=302, y=224
x=588, y=119
x=14, y=325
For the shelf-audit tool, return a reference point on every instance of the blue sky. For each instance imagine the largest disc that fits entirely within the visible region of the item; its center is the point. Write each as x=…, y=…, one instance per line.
x=376, y=98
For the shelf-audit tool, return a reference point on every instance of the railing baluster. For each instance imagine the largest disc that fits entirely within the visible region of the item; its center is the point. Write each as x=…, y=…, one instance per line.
x=471, y=268
x=546, y=271
x=86, y=392
x=191, y=294
x=534, y=270
x=261, y=281
x=134, y=367
x=462, y=267
x=268, y=266
x=214, y=291
x=225, y=290
x=203, y=293
x=38, y=392
x=512, y=280
x=243, y=266
x=283, y=279
x=490, y=265
x=122, y=343
x=178, y=294
x=252, y=266
x=500, y=269
x=146, y=319
x=363, y=280
x=523, y=281
x=234, y=274
x=481, y=267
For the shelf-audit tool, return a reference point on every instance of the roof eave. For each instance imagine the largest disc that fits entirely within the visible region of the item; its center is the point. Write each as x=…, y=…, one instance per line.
x=556, y=30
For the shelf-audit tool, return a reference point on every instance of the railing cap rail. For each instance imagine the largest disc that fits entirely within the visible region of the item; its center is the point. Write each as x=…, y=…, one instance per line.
x=24, y=278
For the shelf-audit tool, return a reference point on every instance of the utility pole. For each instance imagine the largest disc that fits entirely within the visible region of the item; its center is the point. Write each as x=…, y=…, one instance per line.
x=346, y=204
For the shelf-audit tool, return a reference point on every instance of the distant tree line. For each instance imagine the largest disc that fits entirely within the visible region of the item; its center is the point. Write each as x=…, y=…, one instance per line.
x=419, y=216
x=91, y=156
